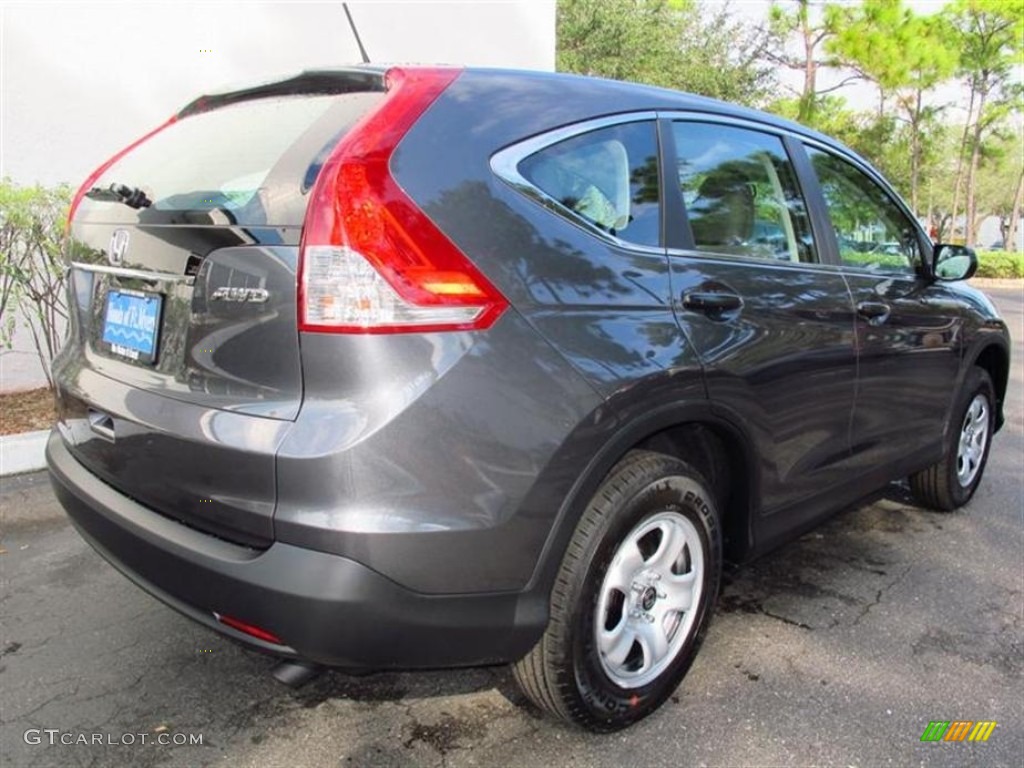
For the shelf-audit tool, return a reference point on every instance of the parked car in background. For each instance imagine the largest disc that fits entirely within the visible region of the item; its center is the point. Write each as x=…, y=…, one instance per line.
x=419, y=367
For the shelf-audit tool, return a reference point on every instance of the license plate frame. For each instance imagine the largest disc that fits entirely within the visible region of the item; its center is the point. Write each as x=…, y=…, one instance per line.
x=131, y=324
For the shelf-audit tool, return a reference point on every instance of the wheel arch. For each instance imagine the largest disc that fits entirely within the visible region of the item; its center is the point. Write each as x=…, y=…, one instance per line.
x=994, y=358
x=722, y=454
x=712, y=442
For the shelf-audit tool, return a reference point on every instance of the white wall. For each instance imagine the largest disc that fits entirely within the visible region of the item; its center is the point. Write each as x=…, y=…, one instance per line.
x=81, y=80
x=78, y=81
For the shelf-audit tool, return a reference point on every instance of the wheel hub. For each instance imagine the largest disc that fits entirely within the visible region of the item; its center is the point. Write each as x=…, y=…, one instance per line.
x=645, y=611
x=973, y=440
x=648, y=597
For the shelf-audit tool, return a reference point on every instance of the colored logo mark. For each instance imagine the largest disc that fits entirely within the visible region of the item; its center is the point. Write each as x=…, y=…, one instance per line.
x=958, y=730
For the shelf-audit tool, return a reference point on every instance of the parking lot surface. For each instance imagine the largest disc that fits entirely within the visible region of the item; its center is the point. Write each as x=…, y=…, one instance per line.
x=837, y=649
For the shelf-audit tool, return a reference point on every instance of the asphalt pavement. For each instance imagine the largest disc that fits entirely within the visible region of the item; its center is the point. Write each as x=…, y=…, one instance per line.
x=837, y=649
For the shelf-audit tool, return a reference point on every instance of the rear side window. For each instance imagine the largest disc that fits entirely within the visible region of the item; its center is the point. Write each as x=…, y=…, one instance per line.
x=741, y=194
x=223, y=159
x=607, y=177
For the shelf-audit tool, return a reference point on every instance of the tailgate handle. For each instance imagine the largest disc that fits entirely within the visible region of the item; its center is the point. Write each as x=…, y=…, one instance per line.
x=101, y=423
x=135, y=274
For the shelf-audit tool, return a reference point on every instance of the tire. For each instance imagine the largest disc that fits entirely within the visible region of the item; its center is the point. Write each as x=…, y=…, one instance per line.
x=628, y=535
x=951, y=482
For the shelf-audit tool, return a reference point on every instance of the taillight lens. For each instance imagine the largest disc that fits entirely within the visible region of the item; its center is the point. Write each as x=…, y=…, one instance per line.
x=102, y=169
x=371, y=260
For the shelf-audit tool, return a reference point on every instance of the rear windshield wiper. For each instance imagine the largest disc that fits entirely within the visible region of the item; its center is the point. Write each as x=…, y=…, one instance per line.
x=133, y=197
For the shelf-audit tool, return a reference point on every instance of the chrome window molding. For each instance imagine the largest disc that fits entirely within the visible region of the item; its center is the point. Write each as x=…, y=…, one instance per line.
x=810, y=140
x=505, y=165
x=754, y=261
x=824, y=146
x=779, y=132
x=691, y=116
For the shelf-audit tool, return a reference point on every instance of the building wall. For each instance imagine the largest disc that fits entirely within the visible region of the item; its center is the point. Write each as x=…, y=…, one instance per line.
x=80, y=80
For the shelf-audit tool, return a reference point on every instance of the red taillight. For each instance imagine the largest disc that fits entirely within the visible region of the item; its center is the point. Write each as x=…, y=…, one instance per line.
x=99, y=171
x=371, y=261
x=248, y=629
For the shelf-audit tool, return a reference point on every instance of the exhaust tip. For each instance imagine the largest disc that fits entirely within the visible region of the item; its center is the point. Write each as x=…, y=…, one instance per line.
x=295, y=674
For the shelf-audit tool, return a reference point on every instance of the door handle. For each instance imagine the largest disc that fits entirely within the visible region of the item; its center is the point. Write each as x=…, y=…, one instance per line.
x=101, y=423
x=711, y=303
x=874, y=310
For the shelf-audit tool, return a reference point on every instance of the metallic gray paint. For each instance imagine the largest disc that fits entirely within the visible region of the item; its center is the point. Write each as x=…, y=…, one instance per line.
x=785, y=364
x=430, y=442
x=195, y=435
x=420, y=466
x=324, y=608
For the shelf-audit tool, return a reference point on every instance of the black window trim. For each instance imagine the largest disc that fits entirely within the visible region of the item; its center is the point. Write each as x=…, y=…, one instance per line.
x=677, y=232
x=505, y=165
x=821, y=231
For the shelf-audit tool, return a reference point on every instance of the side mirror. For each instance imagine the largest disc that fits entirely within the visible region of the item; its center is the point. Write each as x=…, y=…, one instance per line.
x=953, y=262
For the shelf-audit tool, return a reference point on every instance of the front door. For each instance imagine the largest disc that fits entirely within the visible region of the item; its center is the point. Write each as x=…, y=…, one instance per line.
x=908, y=337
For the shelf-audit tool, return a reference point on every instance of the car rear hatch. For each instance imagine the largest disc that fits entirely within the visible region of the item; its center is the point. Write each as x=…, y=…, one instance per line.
x=182, y=371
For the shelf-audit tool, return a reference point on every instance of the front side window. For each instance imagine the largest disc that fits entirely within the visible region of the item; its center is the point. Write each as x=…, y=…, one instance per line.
x=607, y=177
x=741, y=194
x=872, y=231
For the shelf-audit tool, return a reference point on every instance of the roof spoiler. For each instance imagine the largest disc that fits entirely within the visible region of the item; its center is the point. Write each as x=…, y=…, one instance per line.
x=310, y=82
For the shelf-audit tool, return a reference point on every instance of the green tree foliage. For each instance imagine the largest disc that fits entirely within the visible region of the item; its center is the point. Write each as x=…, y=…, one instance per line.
x=799, y=37
x=679, y=44
x=929, y=61
x=1000, y=182
x=620, y=39
x=905, y=56
x=872, y=38
x=915, y=138
x=990, y=35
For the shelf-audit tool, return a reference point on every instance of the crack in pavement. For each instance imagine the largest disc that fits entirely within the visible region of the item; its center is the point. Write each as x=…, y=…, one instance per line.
x=878, y=596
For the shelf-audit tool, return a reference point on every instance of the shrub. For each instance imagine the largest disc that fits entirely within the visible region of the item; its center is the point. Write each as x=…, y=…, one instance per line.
x=32, y=266
x=1000, y=264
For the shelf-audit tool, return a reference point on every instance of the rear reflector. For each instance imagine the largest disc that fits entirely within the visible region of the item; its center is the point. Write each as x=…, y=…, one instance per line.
x=99, y=171
x=248, y=629
x=371, y=260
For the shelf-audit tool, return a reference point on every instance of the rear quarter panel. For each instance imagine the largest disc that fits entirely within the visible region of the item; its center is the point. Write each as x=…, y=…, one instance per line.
x=604, y=310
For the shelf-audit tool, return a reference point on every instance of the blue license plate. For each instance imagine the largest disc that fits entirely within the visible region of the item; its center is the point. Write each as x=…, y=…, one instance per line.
x=131, y=324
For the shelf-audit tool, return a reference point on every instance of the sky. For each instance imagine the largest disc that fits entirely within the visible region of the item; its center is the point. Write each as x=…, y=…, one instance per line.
x=80, y=80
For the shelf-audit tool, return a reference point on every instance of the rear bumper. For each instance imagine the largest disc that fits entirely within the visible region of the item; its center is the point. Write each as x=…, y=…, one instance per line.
x=326, y=608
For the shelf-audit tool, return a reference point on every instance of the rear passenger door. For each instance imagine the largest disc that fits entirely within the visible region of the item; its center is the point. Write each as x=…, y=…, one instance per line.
x=907, y=333
x=772, y=324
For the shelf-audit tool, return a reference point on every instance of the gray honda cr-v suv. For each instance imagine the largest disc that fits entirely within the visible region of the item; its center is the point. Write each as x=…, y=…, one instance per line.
x=430, y=367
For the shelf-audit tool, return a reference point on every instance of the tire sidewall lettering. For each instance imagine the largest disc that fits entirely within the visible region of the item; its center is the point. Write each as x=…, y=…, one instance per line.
x=603, y=698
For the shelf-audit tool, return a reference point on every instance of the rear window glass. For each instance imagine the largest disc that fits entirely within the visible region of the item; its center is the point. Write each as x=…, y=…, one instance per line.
x=221, y=160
